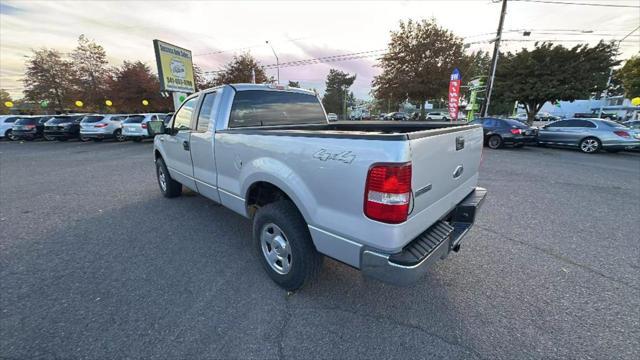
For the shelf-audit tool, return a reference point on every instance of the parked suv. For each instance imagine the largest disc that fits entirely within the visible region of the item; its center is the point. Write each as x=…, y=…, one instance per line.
x=29, y=128
x=6, y=125
x=98, y=127
x=134, y=127
x=63, y=127
x=437, y=116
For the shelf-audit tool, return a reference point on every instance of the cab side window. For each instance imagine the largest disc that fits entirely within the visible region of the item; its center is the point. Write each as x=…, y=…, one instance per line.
x=182, y=119
x=204, y=116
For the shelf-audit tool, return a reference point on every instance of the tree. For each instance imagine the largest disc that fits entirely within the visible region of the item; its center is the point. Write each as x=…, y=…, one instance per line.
x=200, y=80
x=551, y=73
x=134, y=82
x=337, y=94
x=49, y=77
x=239, y=70
x=420, y=58
x=4, y=97
x=294, y=84
x=629, y=76
x=90, y=65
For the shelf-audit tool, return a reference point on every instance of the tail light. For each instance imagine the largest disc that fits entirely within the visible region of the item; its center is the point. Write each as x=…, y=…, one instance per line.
x=516, y=131
x=388, y=193
x=143, y=125
x=30, y=126
x=623, y=134
x=101, y=125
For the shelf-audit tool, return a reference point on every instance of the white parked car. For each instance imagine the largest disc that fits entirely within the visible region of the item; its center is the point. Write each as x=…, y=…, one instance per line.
x=6, y=124
x=98, y=127
x=134, y=127
x=437, y=116
x=332, y=117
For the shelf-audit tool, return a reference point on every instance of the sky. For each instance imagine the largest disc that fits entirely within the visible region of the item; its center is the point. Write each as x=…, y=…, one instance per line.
x=215, y=31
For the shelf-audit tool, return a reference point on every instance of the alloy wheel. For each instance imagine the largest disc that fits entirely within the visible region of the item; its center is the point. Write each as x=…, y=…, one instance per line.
x=276, y=248
x=589, y=145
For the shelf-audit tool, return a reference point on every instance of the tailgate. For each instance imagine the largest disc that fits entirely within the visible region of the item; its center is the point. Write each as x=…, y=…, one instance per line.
x=443, y=166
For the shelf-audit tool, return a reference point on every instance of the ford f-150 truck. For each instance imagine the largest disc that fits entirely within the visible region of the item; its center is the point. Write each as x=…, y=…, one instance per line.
x=386, y=198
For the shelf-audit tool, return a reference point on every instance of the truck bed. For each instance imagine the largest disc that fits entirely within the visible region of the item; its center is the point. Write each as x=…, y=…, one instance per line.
x=374, y=130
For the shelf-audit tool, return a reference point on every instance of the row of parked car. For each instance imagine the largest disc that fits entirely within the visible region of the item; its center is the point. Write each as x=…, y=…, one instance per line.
x=85, y=127
x=588, y=135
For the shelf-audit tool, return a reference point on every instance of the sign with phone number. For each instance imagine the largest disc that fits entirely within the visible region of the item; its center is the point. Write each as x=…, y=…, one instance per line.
x=175, y=67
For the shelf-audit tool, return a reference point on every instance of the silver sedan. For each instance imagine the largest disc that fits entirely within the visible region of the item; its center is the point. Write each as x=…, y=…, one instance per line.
x=590, y=135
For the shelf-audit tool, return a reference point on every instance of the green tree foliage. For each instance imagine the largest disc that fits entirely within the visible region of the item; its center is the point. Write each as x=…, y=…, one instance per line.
x=551, y=73
x=239, y=70
x=629, y=76
x=294, y=84
x=419, y=63
x=134, y=82
x=337, y=92
x=4, y=97
x=49, y=77
x=90, y=66
x=200, y=80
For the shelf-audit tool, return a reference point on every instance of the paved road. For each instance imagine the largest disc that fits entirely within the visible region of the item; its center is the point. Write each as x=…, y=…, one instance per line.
x=96, y=264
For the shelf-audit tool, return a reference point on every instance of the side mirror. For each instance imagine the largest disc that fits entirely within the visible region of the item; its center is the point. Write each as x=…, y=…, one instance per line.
x=156, y=127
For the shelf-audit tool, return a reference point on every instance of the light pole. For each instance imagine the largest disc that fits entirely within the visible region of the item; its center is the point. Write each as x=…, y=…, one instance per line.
x=277, y=60
x=606, y=90
x=494, y=61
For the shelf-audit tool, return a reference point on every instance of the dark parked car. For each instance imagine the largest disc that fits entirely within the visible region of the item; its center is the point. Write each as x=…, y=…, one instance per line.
x=167, y=118
x=500, y=132
x=29, y=128
x=396, y=116
x=63, y=127
x=632, y=124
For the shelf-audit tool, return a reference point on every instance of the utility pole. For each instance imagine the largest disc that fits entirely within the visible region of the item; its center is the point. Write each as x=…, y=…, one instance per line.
x=277, y=60
x=494, y=61
x=606, y=90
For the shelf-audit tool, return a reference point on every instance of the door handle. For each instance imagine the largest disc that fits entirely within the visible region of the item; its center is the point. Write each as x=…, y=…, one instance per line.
x=185, y=145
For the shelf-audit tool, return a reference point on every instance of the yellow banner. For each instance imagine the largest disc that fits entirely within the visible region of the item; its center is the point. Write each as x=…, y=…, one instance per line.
x=175, y=67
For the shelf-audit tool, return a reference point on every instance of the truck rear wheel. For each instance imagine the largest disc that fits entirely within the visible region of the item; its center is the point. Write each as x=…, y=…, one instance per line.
x=284, y=246
x=169, y=187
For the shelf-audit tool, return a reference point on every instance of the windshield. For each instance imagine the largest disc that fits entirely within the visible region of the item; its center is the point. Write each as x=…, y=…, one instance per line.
x=135, y=119
x=92, y=119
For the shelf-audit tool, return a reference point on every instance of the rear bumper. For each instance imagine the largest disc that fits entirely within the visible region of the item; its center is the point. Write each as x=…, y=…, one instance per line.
x=25, y=133
x=96, y=135
x=408, y=266
x=61, y=134
x=520, y=140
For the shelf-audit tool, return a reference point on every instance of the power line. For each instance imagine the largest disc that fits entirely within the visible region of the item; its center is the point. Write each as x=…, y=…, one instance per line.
x=579, y=4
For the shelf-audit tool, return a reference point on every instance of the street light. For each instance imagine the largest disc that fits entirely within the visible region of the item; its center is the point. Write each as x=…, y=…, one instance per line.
x=277, y=60
x=606, y=89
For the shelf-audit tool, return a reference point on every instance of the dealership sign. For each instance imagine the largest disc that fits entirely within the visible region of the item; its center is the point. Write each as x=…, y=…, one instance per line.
x=175, y=67
x=454, y=94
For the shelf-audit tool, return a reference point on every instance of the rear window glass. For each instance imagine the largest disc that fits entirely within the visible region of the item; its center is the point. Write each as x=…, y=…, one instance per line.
x=92, y=119
x=61, y=119
x=11, y=119
x=136, y=119
x=612, y=124
x=117, y=118
x=513, y=123
x=263, y=108
x=25, y=121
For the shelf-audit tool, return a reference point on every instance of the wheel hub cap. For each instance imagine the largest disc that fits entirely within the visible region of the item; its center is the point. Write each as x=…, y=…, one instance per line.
x=275, y=248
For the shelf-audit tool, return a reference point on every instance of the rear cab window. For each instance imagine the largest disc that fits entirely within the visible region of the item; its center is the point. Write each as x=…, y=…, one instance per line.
x=273, y=107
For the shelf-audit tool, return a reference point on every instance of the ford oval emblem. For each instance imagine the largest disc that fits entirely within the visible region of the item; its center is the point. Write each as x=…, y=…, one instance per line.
x=458, y=171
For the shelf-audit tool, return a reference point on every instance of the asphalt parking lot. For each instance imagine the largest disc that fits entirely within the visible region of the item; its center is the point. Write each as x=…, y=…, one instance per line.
x=96, y=264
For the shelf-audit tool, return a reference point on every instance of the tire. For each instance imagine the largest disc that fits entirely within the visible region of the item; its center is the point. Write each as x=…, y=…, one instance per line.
x=428, y=119
x=445, y=119
x=9, y=135
x=590, y=145
x=168, y=187
x=280, y=235
x=118, y=135
x=494, y=142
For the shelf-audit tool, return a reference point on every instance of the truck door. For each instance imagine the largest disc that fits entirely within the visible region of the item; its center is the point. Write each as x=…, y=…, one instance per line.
x=177, y=145
x=202, y=148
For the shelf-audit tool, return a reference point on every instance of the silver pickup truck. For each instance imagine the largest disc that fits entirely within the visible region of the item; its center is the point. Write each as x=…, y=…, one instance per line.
x=387, y=198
